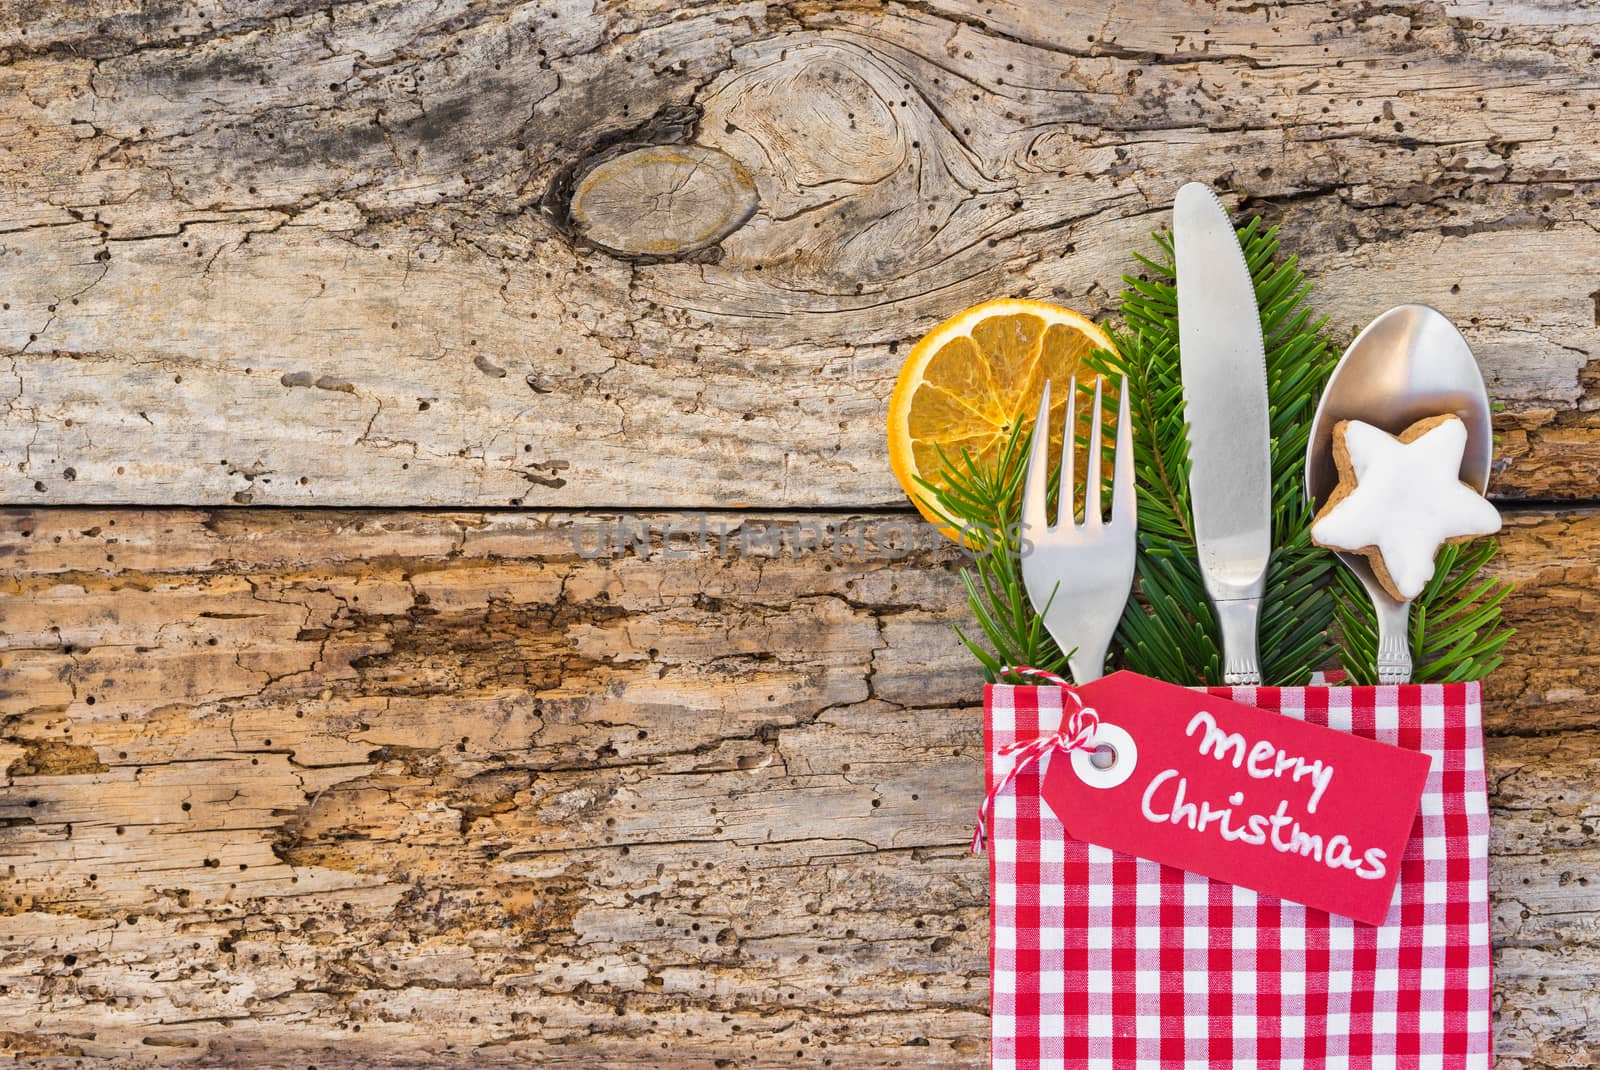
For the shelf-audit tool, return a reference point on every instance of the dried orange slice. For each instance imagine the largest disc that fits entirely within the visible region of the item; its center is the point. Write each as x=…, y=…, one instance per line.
x=968, y=383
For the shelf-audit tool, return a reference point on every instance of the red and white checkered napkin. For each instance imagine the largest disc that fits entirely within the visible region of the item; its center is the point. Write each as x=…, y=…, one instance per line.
x=1099, y=959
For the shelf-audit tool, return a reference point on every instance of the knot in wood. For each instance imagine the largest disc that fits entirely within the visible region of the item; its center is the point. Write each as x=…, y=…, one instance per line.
x=662, y=200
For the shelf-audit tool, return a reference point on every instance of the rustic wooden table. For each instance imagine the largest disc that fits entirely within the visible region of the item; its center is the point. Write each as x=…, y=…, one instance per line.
x=389, y=768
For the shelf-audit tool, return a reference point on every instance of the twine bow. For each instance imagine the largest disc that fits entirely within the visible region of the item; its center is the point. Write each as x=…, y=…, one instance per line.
x=1075, y=732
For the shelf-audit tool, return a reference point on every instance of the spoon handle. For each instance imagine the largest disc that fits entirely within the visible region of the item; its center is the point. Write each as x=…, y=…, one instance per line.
x=1394, y=640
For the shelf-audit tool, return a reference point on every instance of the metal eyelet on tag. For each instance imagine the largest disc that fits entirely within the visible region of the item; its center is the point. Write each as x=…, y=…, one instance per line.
x=1121, y=744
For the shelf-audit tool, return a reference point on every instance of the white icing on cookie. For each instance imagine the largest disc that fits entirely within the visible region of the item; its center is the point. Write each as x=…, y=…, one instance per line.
x=1408, y=500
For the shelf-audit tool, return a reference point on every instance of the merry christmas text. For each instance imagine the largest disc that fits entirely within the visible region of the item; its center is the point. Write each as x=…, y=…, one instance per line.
x=1262, y=760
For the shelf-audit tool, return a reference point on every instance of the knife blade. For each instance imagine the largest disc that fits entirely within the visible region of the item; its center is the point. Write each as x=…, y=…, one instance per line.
x=1223, y=362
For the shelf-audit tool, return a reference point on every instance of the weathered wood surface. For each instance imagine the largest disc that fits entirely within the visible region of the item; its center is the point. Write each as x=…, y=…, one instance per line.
x=333, y=789
x=413, y=788
x=284, y=253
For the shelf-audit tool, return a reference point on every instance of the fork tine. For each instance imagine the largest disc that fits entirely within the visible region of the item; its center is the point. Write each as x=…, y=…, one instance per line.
x=1064, y=503
x=1093, y=514
x=1122, y=497
x=1037, y=478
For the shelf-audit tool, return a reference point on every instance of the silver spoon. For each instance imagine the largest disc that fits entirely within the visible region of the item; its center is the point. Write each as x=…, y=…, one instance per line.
x=1409, y=364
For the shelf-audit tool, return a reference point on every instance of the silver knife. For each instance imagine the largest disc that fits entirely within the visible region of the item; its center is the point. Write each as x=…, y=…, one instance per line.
x=1224, y=365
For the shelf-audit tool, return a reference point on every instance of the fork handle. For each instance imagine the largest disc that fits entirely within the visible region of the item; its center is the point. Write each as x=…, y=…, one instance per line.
x=1239, y=619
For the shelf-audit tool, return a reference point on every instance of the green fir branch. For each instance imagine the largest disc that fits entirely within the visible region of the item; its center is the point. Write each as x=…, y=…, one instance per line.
x=983, y=503
x=1456, y=627
x=1168, y=630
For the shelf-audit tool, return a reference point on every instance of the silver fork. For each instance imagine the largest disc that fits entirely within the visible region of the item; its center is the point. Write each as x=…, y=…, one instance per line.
x=1078, y=576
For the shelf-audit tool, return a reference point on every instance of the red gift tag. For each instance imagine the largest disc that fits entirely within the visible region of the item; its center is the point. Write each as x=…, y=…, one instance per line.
x=1241, y=795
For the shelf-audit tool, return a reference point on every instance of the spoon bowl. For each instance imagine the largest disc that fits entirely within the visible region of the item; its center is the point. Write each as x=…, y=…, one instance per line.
x=1407, y=365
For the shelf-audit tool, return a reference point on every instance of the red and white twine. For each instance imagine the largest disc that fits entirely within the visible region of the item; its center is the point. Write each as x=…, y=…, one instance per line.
x=1077, y=729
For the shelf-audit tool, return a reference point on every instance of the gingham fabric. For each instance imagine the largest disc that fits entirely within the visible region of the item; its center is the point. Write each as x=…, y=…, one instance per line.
x=1102, y=960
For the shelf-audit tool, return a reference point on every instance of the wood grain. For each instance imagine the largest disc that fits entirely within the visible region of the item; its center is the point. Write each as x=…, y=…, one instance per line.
x=313, y=787
x=272, y=253
x=326, y=788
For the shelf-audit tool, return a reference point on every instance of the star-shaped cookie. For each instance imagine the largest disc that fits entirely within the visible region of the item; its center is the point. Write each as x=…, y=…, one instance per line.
x=1399, y=499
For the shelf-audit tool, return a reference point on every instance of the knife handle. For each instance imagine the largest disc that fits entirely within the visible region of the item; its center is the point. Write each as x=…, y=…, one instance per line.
x=1238, y=619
